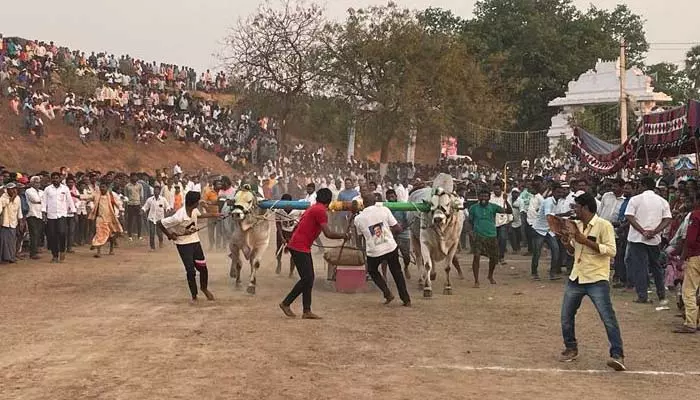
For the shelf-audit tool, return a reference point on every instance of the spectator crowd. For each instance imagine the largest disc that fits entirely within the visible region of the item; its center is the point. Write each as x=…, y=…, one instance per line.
x=651, y=210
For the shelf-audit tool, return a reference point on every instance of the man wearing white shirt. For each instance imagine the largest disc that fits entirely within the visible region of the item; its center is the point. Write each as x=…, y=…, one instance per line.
x=502, y=221
x=378, y=226
x=310, y=193
x=57, y=203
x=35, y=224
x=648, y=214
x=177, y=170
x=194, y=185
x=542, y=233
x=155, y=208
x=611, y=202
x=401, y=192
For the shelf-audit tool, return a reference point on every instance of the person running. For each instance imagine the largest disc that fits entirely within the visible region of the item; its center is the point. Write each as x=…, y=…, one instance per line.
x=312, y=223
x=482, y=217
x=378, y=225
x=181, y=228
x=104, y=216
x=592, y=244
x=285, y=221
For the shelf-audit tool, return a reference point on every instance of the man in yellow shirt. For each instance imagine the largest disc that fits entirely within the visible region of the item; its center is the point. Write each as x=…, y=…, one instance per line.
x=592, y=244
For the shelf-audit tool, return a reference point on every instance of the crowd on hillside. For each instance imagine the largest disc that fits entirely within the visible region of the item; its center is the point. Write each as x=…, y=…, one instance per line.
x=135, y=99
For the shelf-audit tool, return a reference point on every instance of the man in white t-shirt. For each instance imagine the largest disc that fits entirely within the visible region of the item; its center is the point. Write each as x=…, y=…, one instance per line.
x=378, y=226
x=177, y=169
x=181, y=228
x=648, y=214
x=310, y=193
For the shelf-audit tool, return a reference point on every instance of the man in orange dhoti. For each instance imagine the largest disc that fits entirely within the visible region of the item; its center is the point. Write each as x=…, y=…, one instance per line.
x=105, y=216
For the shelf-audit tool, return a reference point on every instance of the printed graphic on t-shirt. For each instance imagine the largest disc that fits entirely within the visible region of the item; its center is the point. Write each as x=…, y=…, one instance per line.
x=377, y=234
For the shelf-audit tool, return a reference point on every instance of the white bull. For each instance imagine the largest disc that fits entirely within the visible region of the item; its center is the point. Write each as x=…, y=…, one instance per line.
x=251, y=236
x=435, y=234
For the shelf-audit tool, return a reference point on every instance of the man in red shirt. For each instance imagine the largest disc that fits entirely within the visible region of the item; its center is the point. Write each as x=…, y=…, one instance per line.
x=312, y=223
x=691, y=276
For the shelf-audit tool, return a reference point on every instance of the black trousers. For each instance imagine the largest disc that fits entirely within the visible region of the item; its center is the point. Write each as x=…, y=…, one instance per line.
x=392, y=259
x=133, y=220
x=82, y=230
x=193, y=259
x=36, y=231
x=305, y=267
x=56, y=230
x=71, y=227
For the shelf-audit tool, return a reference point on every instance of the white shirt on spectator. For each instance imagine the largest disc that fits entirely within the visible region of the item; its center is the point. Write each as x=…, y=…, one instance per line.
x=35, y=199
x=501, y=219
x=534, y=209
x=288, y=221
x=58, y=202
x=155, y=208
x=401, y=192
x=310, y=198
x=610, y=206
x=649, y=209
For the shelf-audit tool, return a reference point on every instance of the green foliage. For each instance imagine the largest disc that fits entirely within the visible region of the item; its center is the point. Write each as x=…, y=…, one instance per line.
x=439, y=21
x=672, y=80
x=543, y=44
x=603, y=120
x=400, y=75
x=562, y=148
x=392, y=69
x=692, y=67
x=622, y=23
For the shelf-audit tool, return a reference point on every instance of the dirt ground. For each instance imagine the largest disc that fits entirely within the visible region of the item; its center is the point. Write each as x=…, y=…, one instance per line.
x=122, y=328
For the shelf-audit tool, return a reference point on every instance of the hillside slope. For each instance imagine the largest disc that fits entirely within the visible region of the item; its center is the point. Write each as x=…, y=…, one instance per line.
x=61, y=147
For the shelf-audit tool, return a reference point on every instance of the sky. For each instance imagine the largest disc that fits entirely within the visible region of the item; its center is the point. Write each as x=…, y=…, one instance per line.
x=190, y=32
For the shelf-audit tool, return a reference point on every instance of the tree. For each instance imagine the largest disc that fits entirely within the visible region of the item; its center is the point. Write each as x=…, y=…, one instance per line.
x=672, y=80
x=622, y=23
x=400, y=76
x=277, y=50
x=541, y=45
x=436, y=20
x=692, y=67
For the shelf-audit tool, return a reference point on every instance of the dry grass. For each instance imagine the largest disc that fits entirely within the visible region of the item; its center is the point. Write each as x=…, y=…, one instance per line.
x=61, y=147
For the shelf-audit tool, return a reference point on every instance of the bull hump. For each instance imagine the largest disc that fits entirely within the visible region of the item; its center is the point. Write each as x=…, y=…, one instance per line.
x=444, y=181
x=442, y=240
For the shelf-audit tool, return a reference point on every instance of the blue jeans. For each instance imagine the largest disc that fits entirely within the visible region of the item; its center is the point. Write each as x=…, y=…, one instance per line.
x=599, y=293
x=537, y=243
x=641, y=258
